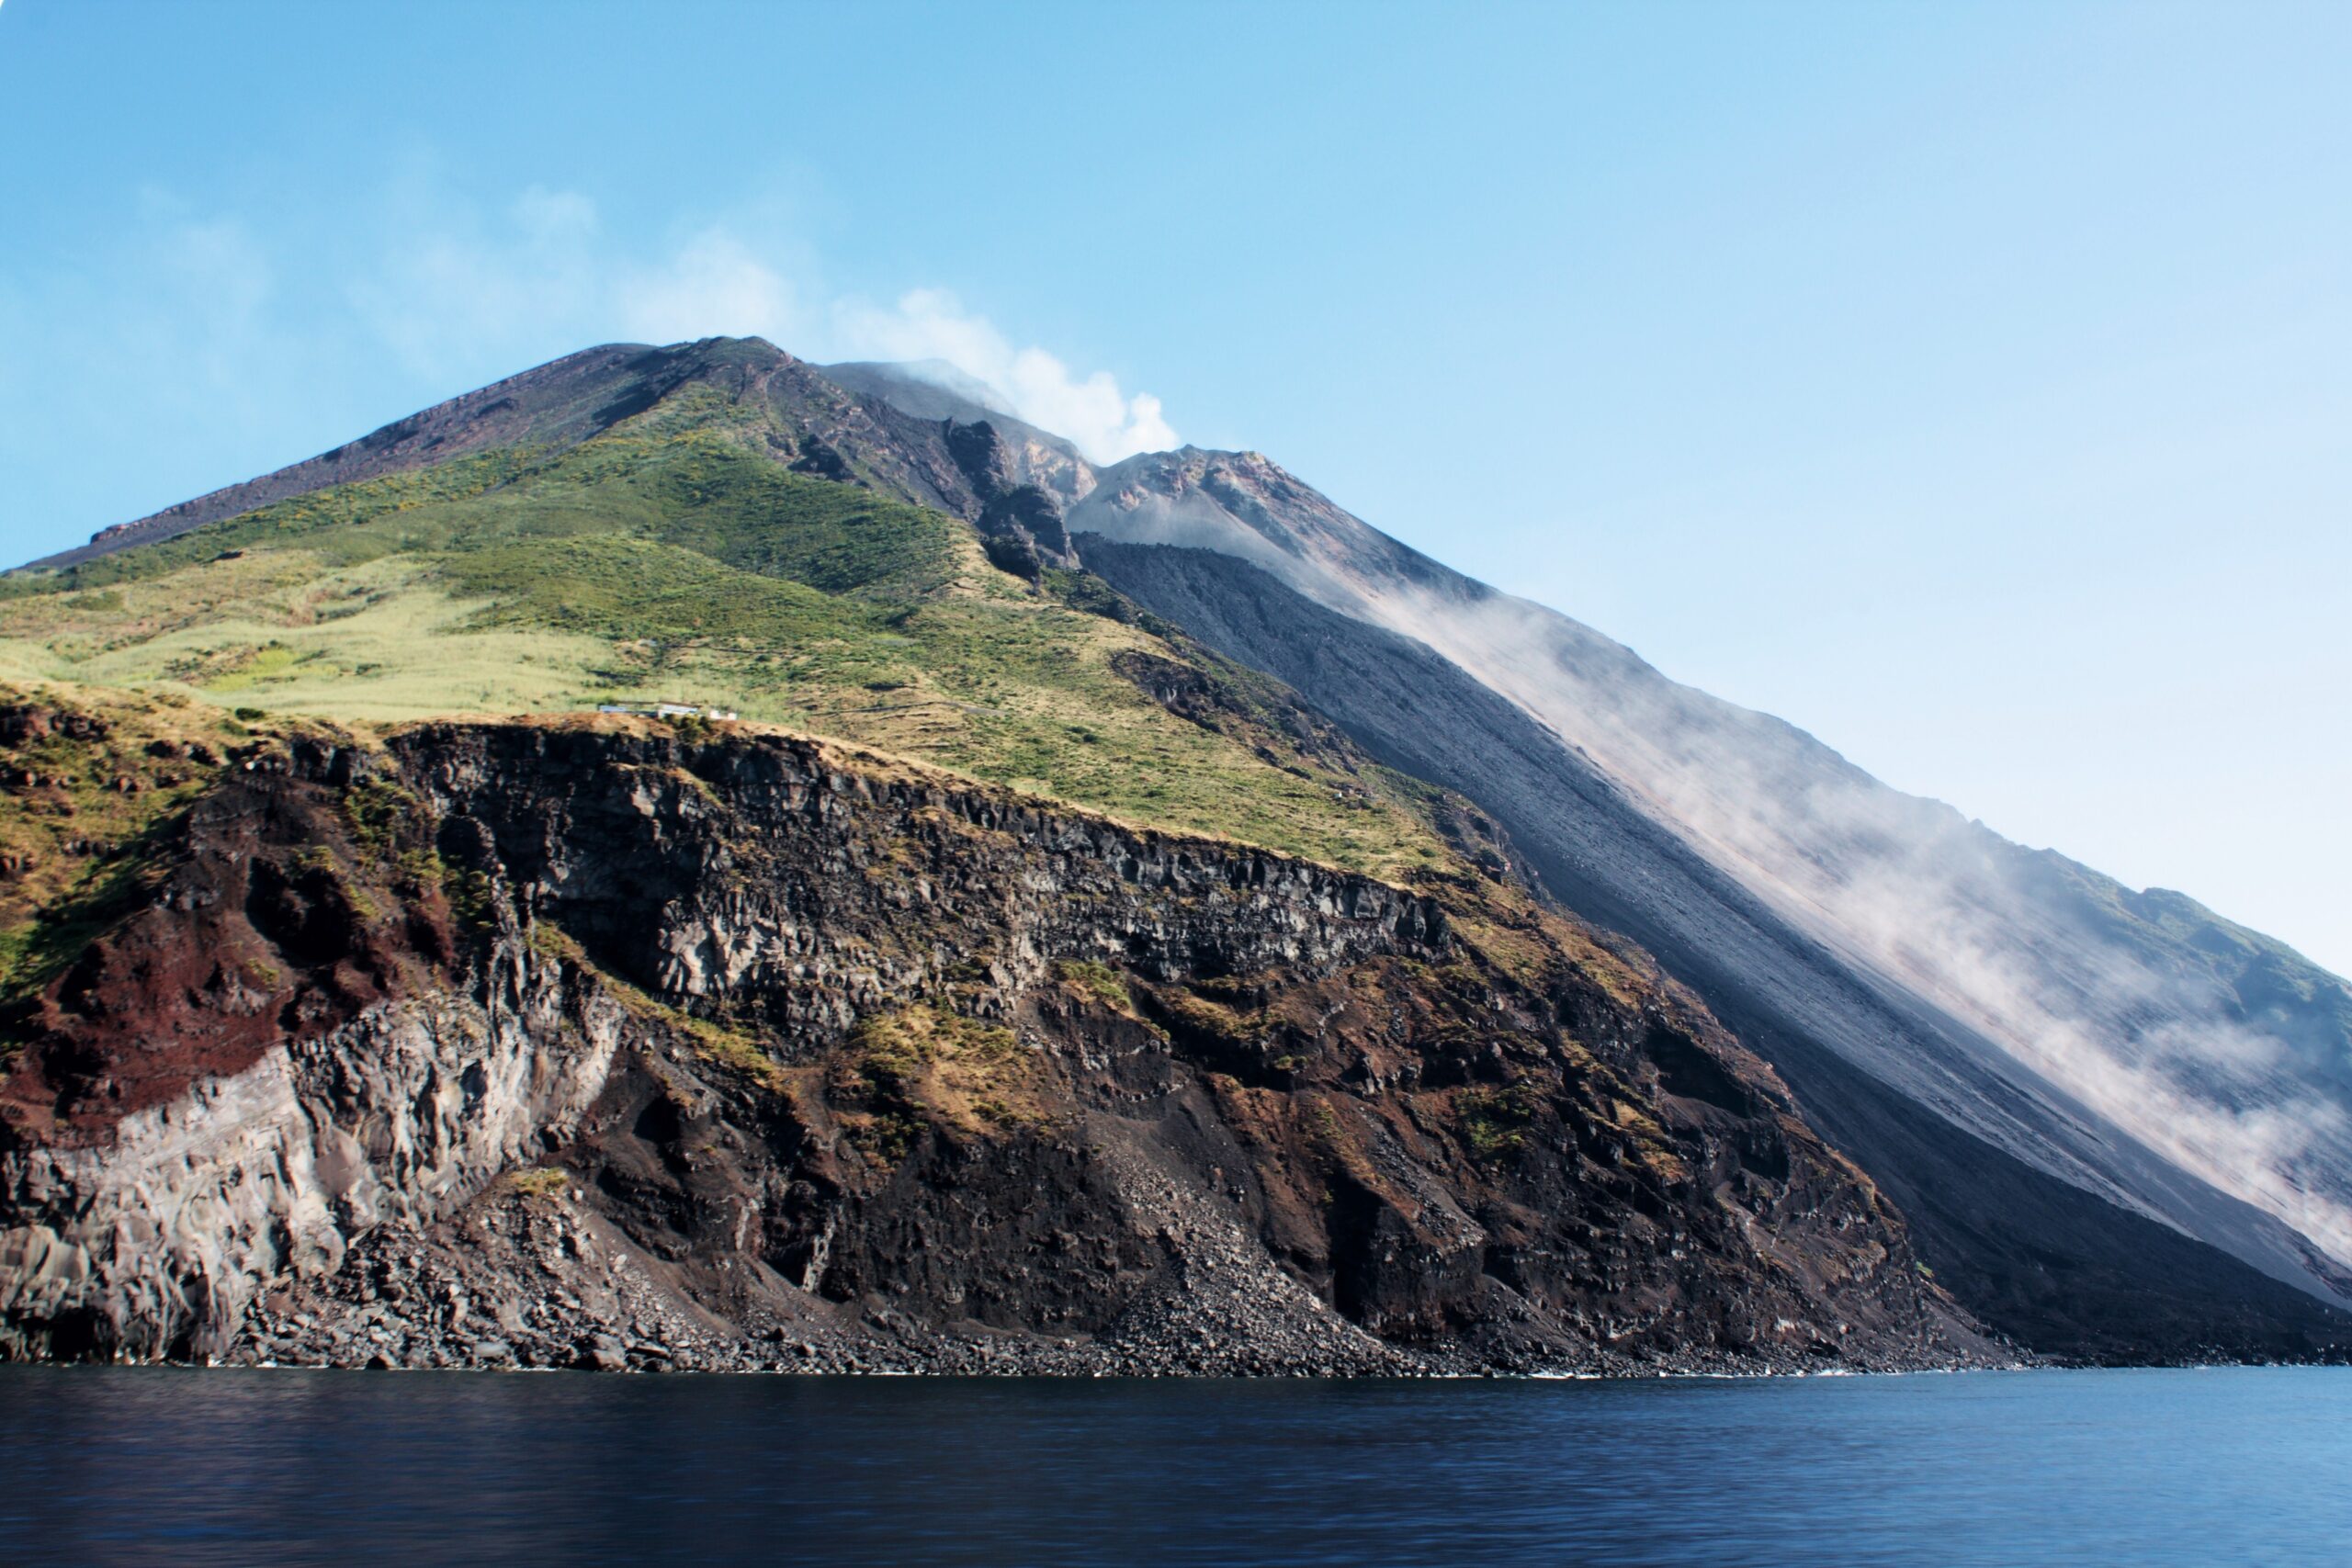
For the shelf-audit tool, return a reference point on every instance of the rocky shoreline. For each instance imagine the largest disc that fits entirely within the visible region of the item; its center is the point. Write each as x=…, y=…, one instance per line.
x=536, y=1280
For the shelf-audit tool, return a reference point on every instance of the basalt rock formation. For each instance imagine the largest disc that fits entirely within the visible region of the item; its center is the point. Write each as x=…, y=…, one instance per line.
x=621, y=1044
x=1929, y=987
x=1020, y=522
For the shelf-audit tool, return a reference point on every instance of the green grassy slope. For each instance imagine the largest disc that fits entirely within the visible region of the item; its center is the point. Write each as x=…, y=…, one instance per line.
x=674, y=561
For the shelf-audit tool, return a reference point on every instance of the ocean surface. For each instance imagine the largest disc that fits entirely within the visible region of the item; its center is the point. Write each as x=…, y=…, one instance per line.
x=104, y=1465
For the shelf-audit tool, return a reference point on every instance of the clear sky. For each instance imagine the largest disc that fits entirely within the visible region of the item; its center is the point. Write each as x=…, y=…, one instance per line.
x=1969, y=384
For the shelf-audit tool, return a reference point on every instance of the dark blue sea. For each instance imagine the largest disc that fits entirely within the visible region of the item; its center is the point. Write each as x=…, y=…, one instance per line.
x=153, y=1466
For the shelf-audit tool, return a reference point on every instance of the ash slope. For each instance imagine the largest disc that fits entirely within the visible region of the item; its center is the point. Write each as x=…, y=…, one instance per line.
x=594, y=1043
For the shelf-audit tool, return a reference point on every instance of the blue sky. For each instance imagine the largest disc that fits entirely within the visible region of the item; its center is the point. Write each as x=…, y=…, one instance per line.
x=1971, y=385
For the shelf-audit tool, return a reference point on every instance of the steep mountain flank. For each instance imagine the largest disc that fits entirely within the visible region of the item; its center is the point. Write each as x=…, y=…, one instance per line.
x=2038, y=1257
x=667, y=560
x=609, y=1044
x=2132, y=1044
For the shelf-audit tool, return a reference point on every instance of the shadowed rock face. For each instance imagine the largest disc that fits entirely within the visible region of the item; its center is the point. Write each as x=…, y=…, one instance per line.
x=1020, y=522
x=607, y=1045
x=936, y=391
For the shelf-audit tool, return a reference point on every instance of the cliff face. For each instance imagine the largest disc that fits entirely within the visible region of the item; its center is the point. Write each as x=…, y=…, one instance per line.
x=613, y=1045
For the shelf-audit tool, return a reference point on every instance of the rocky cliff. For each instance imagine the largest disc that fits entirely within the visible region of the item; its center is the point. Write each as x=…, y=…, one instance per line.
x=616, y=1045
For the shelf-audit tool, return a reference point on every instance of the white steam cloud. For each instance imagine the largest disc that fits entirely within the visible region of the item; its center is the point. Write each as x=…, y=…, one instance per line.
x=712, y=279
x=546, y=272
x=929, y=323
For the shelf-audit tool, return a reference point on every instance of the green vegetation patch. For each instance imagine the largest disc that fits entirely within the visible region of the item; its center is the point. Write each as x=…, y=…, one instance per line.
x=1099, y=981
x=736, y=507
x=1495, y=1121
x=1204, y=1016
x=633, y=588
x=674, y=559
x=544, y=1181
x=91, y=783
x=335, y=519
x=734, y=1048
x=924, y=1067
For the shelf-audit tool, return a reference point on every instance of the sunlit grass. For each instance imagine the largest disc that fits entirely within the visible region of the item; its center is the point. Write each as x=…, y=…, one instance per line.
x=690, y=569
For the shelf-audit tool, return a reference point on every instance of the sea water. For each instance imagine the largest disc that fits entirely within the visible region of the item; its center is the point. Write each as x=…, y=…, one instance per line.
x=102, y=1465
